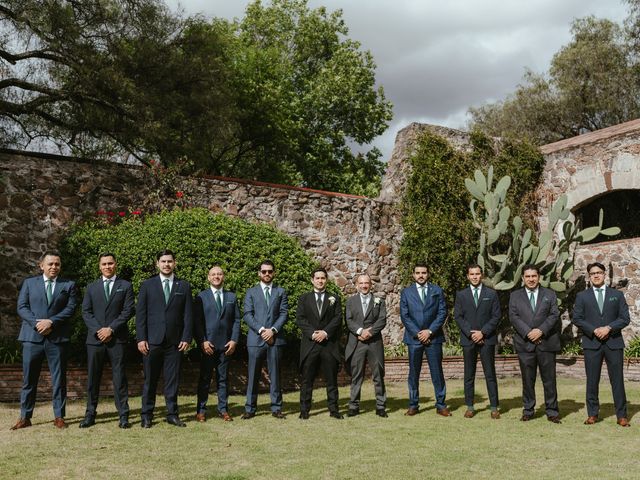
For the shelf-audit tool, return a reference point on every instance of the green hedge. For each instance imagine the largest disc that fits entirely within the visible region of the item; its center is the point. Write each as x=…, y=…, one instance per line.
x=199, y=239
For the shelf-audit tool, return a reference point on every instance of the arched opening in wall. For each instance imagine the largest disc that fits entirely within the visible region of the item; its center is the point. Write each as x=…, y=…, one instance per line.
x=621, y=209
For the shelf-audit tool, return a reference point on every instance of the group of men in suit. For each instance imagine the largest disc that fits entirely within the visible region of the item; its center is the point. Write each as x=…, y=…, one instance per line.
x=167, y=317
x=600, y=312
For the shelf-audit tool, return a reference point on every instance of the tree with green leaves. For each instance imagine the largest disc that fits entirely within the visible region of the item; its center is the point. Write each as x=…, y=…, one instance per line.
x=592, y=83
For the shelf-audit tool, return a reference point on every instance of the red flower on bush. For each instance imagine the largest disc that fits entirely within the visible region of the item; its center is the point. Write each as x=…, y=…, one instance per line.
x=136, y=212
x=179, y=194
x=101, y=212
x=122, y=214
x=111, y=214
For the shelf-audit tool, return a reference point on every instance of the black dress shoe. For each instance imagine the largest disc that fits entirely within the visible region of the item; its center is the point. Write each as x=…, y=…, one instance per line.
x=146, y=423
x=353, y=412
x=88, y=421
x=336, y=415
x=124, y=423
x=278, y=414
x=248, y=415
x=176, y=422
x=381, y=412
x=304, y=416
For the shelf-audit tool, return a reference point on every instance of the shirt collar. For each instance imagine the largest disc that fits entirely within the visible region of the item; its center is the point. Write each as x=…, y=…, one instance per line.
x=418, y=286
x=112, y=279
x=53, y=280
x=603, y=287
x=214, y=289
x=170, y=277
x=266, y=285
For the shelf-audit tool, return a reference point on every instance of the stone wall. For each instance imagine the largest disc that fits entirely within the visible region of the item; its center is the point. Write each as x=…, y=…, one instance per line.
x=41, y=195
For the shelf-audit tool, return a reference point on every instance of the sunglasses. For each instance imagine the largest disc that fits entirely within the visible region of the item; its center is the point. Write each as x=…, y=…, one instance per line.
x=265, y=272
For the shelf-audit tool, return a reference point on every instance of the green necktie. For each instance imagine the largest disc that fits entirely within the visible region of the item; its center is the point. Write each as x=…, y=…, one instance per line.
x=267, y=295
x=49, y=291
x=600, y=299
x=475, y=295
x=532, y=300
x=167, y=292
x=422, y=294
x=107, y=284
x=218, y=301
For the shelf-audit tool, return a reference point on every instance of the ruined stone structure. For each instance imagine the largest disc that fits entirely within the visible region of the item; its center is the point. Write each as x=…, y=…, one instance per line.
x=41, y=195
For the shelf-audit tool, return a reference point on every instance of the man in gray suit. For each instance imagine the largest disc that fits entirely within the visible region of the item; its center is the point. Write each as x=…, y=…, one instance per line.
x=533, y=312
x=265, y=312
x=602, y=313
x=366, y=317
x=45, y=305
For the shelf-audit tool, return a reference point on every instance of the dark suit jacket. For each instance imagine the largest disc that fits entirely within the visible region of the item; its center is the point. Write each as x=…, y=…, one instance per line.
x=545, y=318
x=217, y=327
x=156, y=321
x=485, y=317
x=257, y=315
x=415, y=316
x=329, y=320
x=32, y=306
x=376, y=318
x=587, y=316
x=98, y=313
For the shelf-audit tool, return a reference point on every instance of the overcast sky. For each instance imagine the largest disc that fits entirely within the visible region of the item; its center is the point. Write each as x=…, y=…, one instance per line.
x=436, y=58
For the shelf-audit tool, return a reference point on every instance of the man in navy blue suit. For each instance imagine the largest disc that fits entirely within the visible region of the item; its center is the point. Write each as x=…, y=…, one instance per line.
x=45, y=304
x=423, y=311
x=217, y=331
x=107, y=307
x=163, y=332
x=477, y=313
x=265, y=312
x=601, y=313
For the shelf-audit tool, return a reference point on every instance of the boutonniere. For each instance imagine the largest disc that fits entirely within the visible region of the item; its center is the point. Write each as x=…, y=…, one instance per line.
x=332, y=300
x=376, y=301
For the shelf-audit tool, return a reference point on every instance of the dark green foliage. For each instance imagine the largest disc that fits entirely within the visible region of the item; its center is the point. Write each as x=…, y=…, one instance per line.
x=199, y=239
x=436, y=219
x=633, y=348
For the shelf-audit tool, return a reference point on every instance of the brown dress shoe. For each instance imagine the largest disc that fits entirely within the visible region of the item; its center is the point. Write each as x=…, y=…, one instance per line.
x=444, y=412
x=411, y=411
x=226, y=417
x=525, y=418
x=623, y=422
x=495, y=414
x=59, y=422
x=591, y=419
x=469, y=414
x=22, y=423
x=278, y=414
x=201, y=417
x=554, y=419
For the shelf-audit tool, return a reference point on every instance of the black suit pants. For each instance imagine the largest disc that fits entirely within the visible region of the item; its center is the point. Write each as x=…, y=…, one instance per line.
x=163, y=359
x=96, y=355
x=593, y=367
x=529, y=364
x=319, y=358
x=488, y=360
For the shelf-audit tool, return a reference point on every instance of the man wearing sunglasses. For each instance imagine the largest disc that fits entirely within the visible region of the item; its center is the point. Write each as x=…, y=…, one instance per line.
x=265, y=313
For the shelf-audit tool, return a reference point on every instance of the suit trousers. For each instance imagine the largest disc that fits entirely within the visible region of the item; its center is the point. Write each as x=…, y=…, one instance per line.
x=96, y=355
x=434, y=358
x=319, y=358
x=488, y=360
x=220, y=362
x=163, y=358
x=593, y=367
x=32, y=356
x=373, y=353
x=257, y=355
x=529, y=364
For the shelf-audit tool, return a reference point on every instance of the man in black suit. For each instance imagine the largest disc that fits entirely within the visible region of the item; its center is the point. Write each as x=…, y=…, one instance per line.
x=477, y=313
x=366, y=317
x=533, y=312
x=107, y=306
x=163, y=332
x=601, y=313
x=217, y=331
x=319, y=316
x=45, y=304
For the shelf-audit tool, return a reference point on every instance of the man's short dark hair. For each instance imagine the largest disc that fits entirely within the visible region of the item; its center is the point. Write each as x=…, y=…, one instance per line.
x=164, y=252
x=421, y=265
x=530, y=266
x=596, y=264
x=319, y=270
x=107, y=254
x=50, y=253
x=473, y=265
x=266, y=262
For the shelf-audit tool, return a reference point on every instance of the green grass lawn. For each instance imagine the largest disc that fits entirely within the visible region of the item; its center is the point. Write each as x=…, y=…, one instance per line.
x=363, y=447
